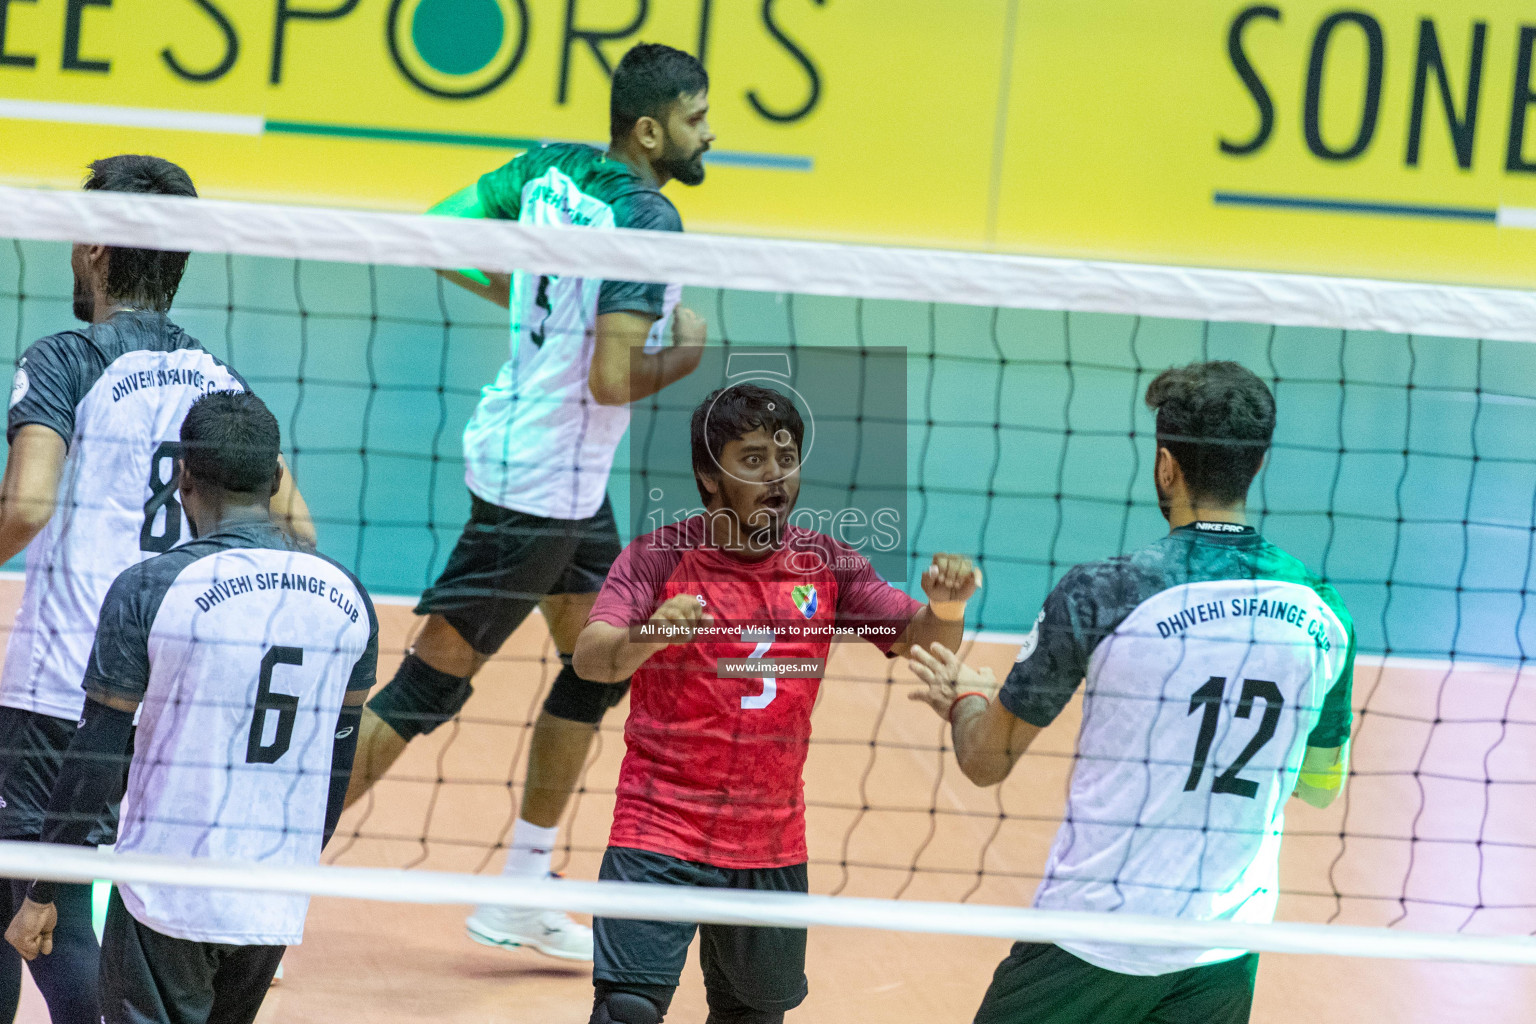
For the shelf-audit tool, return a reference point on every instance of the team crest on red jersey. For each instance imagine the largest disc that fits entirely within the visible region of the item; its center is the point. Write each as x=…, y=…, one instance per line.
x=804, y=597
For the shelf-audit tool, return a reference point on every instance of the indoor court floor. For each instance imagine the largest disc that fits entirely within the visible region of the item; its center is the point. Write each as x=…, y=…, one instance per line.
x=874, y=773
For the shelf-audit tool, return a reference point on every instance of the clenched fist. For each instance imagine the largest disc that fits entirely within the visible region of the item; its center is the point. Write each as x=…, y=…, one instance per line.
x=31, y=930
x=689, y=330
x=680, y=618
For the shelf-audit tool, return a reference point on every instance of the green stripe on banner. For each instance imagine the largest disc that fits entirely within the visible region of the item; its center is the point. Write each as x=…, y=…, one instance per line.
x=1475, y=213
x=352, y=131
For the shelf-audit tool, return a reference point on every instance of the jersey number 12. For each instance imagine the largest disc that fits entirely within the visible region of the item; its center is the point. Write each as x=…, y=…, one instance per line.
x=1208, y=700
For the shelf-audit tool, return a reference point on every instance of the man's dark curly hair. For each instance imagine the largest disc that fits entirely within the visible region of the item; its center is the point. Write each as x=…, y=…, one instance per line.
x=649, y=79
x=730, y=414
x=1216, y=419
x=230, y=440
x=143, y=278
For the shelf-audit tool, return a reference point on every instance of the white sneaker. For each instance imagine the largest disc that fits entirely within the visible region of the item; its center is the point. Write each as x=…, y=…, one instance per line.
x=548, y=931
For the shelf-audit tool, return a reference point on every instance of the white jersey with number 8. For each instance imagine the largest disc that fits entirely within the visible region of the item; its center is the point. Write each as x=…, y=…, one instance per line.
x=116, y=393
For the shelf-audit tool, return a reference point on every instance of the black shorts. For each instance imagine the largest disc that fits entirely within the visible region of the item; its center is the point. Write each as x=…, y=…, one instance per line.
x=762, y=968
x=32, y=749
x=507, y=561
x=1044, y=983
x=147, y=976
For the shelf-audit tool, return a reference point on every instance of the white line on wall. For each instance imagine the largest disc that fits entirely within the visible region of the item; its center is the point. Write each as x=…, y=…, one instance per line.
x=132, y=117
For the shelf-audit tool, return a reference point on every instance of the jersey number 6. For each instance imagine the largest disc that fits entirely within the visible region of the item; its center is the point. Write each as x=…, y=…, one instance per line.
x=1208, y=698
x=285, y=704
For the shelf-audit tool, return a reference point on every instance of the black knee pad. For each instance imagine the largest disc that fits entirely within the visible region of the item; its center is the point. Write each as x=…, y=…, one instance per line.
x=419, y=698
x=626, y=1008
x=580, y=700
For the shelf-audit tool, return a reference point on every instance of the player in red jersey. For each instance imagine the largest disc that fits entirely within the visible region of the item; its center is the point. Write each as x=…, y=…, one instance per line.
x=711, y=791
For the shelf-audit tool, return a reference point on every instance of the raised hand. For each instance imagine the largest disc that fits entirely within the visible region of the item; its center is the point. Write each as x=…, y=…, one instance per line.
x=689, y=330
x=951, y=578
x=680, y=618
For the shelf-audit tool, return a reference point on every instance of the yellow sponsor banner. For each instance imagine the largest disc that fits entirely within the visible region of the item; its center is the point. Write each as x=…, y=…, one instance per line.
x=829, y=112
x=1386, y=139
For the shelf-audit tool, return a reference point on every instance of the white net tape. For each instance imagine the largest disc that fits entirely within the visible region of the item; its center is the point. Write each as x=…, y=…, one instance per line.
x=739, y=907
x=808, y=268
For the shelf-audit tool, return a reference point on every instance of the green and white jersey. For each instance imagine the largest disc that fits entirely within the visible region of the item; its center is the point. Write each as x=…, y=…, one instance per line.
x=1212, y=660
x=538, y=442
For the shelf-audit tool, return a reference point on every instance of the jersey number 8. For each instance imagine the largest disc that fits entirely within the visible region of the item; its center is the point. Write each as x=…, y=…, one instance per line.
x=163, y=480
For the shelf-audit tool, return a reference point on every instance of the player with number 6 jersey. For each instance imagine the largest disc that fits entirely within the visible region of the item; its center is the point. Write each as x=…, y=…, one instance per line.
x=1218, y=685
x=90, y=484
x=725, y=619
x=249, y=658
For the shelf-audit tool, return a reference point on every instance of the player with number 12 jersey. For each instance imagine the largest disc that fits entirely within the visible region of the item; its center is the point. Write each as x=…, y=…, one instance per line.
x=1216, y=674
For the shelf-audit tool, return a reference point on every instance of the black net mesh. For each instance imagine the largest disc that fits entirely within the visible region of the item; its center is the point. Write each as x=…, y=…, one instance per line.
x=1400, y=473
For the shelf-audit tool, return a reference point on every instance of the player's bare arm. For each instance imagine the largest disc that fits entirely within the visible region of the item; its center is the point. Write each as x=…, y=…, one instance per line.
x=606, y=654
x=949, y=582
x=622, y=373
x=31, y=485
x=490, y=285
x=988, y=739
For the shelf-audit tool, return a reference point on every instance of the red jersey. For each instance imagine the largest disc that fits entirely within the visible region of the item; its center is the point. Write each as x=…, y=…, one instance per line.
x=714, y=767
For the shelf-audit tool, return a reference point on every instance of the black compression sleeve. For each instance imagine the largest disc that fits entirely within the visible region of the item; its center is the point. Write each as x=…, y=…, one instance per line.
x=88, y=779
x=347, y=724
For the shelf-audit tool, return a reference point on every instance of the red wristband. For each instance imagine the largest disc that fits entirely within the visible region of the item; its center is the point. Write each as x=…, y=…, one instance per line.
x=961, y=697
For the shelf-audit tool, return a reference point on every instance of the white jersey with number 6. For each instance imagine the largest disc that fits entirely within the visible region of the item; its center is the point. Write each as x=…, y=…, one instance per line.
x=1213, y=660
x=241, y=651
x=116, y=392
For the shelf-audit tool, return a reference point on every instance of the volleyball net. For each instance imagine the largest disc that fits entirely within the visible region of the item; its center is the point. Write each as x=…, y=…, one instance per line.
x=993, y=406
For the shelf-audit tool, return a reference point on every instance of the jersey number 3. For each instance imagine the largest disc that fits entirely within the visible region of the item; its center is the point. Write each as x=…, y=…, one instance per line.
x=285, y=704
x=1208, y=700
x=758, y=701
